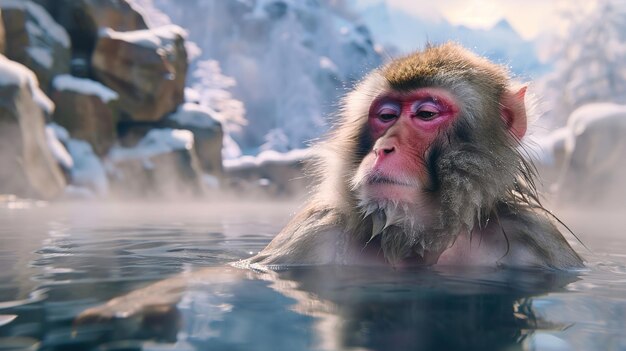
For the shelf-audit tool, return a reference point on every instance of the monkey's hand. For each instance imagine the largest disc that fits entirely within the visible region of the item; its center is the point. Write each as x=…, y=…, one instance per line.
x=158, y=297
x=151, y=311
x=147, y=313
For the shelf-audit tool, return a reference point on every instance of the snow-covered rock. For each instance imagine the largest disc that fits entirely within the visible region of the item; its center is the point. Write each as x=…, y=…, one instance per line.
x=87, y=109
x=88, y=170
x=275, y=173
x=87, y=175
x=27, y=166
x=58, y=150
x=164, y=162
x=594, y=154
x=34, y=39
x=207, y=133
x=146, y=68
x=66, y=82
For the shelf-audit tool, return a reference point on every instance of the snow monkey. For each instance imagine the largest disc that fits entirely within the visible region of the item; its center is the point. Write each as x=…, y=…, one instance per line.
x=425, y=167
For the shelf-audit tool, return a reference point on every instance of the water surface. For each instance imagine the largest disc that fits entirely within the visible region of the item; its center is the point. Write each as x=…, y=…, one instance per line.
x=58, y=260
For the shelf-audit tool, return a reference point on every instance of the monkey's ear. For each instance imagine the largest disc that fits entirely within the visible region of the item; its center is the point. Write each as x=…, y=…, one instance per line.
x=513, y=111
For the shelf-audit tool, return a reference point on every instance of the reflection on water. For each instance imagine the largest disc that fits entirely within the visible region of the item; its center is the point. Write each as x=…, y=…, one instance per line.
x=58, y=260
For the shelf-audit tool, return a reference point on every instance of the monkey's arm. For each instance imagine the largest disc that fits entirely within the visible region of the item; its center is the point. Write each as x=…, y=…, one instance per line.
x=524, y=239
x=157, y=299
x=536, y=241
x=314, y=236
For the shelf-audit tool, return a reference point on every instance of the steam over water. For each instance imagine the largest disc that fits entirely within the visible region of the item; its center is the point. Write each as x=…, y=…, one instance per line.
x=59, y=259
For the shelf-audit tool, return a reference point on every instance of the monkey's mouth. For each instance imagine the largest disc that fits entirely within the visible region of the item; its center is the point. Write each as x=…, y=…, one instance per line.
x=379, y=179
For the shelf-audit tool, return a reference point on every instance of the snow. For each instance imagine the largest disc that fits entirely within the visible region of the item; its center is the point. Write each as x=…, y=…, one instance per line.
x=268, y=156
x=589, y=60
x=148, y=38
x=230, y=148
x=194, y=115
x=542, y=148
x=604, y=116
x=41, y=17
x=156, y=18
x=41, y=55
x=14, y=73
x=591, y=113
x=33, y=29
x=57, y=149
x=87, y=172
x=192, y=95
x=60, y=133
x=212, y=91
x=153, y=16
x=156, y=142
x=546, y=342
x=328, y=64
x=84, y=86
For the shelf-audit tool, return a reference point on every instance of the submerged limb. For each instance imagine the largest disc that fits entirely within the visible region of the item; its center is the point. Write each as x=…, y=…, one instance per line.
x=146, y=305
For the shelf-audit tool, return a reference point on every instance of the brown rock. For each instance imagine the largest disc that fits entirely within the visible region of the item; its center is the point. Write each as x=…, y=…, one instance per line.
x=2, y=35
x=87, y=109
x=35, y=40
x=146, y=68
x=27, y=167
x=83, y=18
x=115, y=14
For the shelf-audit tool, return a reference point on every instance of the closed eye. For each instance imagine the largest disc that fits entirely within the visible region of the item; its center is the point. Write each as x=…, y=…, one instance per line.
x=426, y=115
x=426, y=110
x=387, y=117
x=388, y=112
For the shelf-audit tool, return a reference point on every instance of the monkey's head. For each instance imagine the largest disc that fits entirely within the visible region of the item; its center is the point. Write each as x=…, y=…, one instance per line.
x=428, y=145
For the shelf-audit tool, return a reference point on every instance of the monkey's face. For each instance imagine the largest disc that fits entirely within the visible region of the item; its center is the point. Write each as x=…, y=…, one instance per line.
x=403, y=126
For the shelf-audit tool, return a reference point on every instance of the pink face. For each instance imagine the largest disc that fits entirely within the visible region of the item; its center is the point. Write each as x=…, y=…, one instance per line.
x=404, y=126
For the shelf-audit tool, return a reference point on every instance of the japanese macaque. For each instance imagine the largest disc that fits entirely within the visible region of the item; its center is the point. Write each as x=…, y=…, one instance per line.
x=425, y=167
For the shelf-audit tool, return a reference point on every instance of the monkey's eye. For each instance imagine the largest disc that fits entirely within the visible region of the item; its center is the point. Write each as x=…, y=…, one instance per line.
x=426, y=114
x=387, y=117
x=388, y=112
x=426, y=111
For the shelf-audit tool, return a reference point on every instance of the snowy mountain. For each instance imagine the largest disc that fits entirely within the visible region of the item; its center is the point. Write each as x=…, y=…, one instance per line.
x=404, y=32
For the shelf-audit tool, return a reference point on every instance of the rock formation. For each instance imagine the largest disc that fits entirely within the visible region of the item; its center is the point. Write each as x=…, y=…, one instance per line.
x=35, y=40
x=87, y=109
x=147, y=68
x=27, y=166
x=207, y=133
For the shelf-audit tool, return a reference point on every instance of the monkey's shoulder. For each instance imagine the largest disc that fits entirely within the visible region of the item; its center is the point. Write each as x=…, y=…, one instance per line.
x=535, y=240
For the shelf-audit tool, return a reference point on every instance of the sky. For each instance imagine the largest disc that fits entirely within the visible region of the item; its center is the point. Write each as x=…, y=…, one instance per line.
x=528, y=17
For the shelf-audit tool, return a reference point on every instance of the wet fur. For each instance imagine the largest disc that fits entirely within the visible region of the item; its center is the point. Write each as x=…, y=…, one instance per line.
x=478, y=178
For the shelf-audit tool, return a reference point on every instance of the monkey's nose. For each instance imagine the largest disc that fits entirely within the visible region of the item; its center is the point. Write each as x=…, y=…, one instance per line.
x=384, y=151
